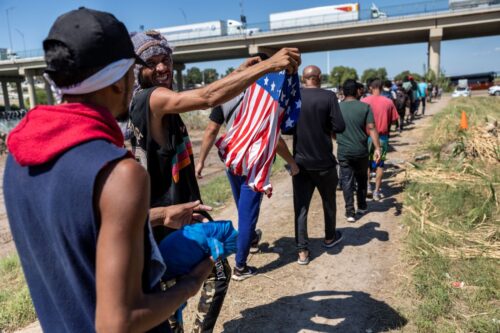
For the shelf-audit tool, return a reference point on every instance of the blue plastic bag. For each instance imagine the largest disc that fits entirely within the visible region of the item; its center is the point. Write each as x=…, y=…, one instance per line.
x=183, y=249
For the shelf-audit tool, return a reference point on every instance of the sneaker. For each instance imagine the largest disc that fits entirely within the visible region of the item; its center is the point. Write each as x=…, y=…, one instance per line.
x=338, y=238
x=254, y=246
x=306, y=260
x=362, y=211
x=240, y=274
x=369, y=191
x=377, y=196
x=350, y=218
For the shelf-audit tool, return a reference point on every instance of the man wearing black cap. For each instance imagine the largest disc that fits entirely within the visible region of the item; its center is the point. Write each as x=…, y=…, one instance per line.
x=352, y=150
x=82, y=236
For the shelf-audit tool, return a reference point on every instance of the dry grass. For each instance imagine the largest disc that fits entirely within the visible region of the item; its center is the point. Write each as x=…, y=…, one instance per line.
x=452, y=211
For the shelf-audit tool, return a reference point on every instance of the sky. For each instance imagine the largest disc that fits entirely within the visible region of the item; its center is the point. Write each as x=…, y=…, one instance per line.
x=30, y=21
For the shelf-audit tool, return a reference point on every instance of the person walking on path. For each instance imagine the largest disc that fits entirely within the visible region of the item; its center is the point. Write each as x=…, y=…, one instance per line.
x=319, y=120
x=385, y=114
x=77, y=202
x=401, y=102
x=422, y=93
x=247, y=200
x=352, y=151
x=161, y=142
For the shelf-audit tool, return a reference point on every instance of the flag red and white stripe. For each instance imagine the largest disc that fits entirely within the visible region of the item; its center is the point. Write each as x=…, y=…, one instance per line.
x=249, y=146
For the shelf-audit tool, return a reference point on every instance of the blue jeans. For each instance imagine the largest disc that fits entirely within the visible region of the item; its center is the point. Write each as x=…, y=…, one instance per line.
x=248, y=205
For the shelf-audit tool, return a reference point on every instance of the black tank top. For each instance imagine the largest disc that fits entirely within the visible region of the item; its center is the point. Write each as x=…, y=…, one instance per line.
x=171, y=168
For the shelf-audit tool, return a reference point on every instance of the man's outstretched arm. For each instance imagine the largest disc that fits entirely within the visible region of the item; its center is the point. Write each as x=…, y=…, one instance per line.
x=209, y=137
x=164, y=101
x=284, y=152
x=122, y=203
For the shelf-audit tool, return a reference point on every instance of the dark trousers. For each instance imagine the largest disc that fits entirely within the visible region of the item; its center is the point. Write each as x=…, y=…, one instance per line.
x=304, y=184
x=423, y=101
x=401, y=113
x=354, y=172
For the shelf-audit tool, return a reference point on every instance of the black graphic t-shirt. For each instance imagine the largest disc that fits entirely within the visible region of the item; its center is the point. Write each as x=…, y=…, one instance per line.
x=171, y=168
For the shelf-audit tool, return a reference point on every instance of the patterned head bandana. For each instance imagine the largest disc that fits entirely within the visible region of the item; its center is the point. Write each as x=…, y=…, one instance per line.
x=149, y=44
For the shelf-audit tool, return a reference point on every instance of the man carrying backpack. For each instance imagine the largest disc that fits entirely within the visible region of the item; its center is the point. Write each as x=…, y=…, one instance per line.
x=401, y=102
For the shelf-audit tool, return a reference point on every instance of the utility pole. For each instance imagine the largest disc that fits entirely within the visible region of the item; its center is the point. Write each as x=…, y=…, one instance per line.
x=24, y=43
x=328, y=62
x=8, y=28
x=243, y=18
x=184, y=14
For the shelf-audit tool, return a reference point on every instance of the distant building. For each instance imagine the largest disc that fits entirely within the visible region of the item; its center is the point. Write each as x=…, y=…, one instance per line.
x=3, y=54
x=476, y=80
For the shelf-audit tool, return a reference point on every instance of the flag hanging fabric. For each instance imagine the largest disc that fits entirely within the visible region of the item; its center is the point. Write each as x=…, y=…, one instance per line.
x=248, y=148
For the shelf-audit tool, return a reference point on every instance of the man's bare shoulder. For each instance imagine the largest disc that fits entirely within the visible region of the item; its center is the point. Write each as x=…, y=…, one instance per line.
x=124, y=184
x=159, y=94
x=126, y=170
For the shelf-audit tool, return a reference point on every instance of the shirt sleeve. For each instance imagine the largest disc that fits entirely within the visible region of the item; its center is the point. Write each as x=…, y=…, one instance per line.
x=370, y=119
x=217, y=115
x=337, y=121
x=394, y=113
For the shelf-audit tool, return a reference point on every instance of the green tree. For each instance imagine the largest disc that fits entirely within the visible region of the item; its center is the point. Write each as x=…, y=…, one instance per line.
x=430, y=76
x=401, y=76
x=210, y=75
x=193, y=76
x=369, y=73
x=229, y=71
x=341, y=73
x=41, y=98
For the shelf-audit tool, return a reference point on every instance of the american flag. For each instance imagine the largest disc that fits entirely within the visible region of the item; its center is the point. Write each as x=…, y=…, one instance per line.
x=248, y=148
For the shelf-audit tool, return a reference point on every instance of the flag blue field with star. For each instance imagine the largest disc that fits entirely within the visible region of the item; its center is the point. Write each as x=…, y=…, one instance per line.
x=285, y=89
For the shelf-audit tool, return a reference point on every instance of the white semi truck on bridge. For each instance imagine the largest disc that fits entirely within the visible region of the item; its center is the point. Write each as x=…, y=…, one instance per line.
x=277, y=21
x=461, y=4
x=314, y=16
x=205, y=30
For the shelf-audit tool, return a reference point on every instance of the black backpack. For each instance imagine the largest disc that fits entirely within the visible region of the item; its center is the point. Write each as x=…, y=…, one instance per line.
x=400, y=101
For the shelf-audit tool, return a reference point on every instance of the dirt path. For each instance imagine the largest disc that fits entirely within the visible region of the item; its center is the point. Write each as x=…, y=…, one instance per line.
x=350, y=288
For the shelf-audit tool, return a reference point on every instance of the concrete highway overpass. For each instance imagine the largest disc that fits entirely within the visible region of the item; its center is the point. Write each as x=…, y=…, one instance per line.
x=430, y=28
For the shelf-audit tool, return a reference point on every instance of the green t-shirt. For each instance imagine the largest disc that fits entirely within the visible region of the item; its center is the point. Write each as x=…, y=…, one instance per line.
x=352, y=143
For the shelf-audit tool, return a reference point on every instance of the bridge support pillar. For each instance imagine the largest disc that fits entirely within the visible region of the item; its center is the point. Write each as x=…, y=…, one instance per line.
x=31, y=89
x=48, y=91
x=5, y=93
x=255, y=49
x=20, y=95
x=178, y=67
x=435, y=37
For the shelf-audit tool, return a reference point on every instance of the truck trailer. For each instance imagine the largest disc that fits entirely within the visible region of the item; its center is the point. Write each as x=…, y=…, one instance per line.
x=462, y=4
x=205, y=30
x=314, y=16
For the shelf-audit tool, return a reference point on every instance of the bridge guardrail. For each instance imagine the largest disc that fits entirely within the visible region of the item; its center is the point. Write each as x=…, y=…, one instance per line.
x=395, y=13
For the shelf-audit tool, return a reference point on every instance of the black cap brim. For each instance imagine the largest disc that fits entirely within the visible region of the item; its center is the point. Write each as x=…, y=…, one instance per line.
x=139, y=61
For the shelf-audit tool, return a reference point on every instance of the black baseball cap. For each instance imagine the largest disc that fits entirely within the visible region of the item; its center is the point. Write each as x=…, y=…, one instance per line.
x=94, y=38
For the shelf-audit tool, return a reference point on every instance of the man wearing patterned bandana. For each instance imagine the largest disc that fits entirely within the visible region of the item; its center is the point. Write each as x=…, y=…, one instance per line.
x=161, y=143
